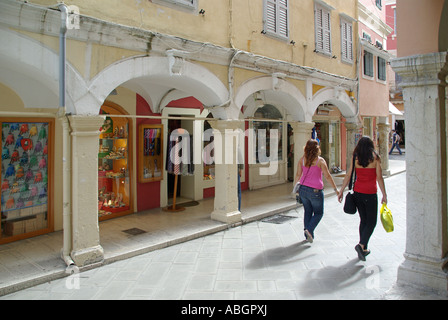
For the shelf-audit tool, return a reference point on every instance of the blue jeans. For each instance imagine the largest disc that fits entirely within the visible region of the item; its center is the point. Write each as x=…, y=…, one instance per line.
x=395, y=145
x=313, y=204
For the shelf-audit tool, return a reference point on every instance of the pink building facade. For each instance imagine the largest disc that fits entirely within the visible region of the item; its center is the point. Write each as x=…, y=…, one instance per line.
x=373, y=77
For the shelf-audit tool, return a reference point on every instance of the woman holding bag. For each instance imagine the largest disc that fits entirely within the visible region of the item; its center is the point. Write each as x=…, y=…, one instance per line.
x=367, y=164
x=310, y=169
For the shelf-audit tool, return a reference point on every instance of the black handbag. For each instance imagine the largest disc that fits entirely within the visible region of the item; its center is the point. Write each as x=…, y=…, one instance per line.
x=350, y=205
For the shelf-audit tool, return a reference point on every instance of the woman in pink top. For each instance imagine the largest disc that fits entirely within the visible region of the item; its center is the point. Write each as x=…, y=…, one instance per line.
x=310, y=169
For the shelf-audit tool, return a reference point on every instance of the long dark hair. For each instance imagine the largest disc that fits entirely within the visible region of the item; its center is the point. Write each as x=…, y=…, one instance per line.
x=365, y=151
x=312, y=150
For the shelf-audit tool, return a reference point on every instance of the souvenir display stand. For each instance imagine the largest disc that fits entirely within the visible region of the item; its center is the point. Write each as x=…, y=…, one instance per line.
x=26, y=192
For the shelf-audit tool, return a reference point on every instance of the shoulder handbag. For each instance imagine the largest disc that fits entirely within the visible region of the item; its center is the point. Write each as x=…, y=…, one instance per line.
x=349, y=204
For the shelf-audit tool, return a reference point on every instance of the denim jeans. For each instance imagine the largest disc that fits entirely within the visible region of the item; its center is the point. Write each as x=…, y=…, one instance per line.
x=395, y=145
x=313, y=204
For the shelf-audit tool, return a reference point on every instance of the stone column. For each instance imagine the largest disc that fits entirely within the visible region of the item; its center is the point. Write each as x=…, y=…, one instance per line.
x=383, y=144
x=351, y=129
x=86, y=248
x=301, y=134
x=226, y=134
x=425, y=263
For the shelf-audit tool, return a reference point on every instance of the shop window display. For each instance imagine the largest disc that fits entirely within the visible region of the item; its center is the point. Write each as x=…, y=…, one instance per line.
x=151, y=153
x=114, y=194
x=25, y=191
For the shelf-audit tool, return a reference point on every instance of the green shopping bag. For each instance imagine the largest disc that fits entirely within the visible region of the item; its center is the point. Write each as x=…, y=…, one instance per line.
x=386, y=218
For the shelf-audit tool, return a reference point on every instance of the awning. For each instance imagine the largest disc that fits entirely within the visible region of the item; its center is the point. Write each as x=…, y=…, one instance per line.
x=394, y=110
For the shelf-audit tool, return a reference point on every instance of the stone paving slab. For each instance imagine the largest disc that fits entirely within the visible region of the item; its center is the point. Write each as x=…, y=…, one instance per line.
x=256, y=261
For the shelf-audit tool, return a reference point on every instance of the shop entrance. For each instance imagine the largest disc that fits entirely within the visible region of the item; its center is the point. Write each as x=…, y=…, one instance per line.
x=185, y=181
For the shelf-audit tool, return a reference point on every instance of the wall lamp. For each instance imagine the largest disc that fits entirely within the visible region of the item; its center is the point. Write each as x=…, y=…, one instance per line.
x=292, y=42
x=202, y=12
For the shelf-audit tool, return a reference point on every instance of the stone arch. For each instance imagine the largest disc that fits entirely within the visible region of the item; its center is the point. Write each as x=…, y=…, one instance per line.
x=157, y=79
x=337, y=97
x=277, y=91
x=29, y=69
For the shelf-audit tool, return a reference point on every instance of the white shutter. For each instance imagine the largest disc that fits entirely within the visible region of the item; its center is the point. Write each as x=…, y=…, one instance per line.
x=319, y=30
x=322, y=20
x=327, y=30
x=350, y=41
x=282, y=21
x=347, y=41
x=271, y=14
x=276, y=18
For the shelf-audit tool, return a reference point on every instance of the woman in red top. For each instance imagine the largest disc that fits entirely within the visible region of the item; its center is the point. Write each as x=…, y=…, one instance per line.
x=368, y=173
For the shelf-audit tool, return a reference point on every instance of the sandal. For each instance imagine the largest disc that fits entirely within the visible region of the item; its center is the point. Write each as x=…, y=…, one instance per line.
x=309, y=237
x=360, y=252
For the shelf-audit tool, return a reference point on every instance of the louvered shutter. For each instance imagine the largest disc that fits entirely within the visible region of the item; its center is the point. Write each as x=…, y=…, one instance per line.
x=319, y=29
x=322, y=19
x=283, y=18
x=350, y=42
x=346, y=41
x=271, y=14
x=327, y=31
x=276, y=18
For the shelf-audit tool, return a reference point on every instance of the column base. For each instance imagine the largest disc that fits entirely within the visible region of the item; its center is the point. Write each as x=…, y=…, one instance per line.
x=88, y=256
x=227, y=217
x=425, y=274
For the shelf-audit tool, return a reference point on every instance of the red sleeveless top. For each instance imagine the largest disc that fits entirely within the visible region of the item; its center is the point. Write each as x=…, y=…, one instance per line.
x=365, y=181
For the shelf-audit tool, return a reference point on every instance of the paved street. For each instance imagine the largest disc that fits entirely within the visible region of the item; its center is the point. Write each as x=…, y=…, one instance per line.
x=259, y=260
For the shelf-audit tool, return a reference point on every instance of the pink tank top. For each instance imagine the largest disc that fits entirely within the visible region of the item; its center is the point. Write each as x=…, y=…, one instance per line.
x=312, y=176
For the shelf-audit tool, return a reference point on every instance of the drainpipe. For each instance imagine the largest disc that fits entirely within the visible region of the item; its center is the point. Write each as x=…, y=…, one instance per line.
x=62, y=116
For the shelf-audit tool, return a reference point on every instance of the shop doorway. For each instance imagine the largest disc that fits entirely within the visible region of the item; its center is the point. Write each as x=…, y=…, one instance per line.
x=185, y=181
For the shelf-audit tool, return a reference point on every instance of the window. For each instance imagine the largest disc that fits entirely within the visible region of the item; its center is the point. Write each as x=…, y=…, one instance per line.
x=367, y=37
x=190, y=5
x=276, y=18
x=322, y=20
x=378, y=4
x=368, y=63
x=346, y=41
x=381, y=69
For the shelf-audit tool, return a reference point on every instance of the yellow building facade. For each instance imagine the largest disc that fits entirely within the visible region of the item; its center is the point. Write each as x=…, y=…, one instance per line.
x=135, y=71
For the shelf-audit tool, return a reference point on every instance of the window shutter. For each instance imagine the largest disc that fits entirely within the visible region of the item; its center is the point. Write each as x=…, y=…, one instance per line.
x=319, y=29
x=346, y=41
x=323, y=30
x=327, y=31
x=271, y=14
x=283, y=18
x=276, y=17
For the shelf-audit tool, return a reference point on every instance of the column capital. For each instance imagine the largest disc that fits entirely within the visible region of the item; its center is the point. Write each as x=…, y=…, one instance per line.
x=222, y=125
x=86, y=125
x=302, y=126
x=419, y=70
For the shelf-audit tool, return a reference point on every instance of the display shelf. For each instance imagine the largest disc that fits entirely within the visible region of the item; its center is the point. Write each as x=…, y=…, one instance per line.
x=114, y=167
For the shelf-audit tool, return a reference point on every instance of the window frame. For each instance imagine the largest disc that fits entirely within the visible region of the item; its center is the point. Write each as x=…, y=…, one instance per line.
x=183, y=5
x=381, y=69
x=370, y=64
x=267, y=23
